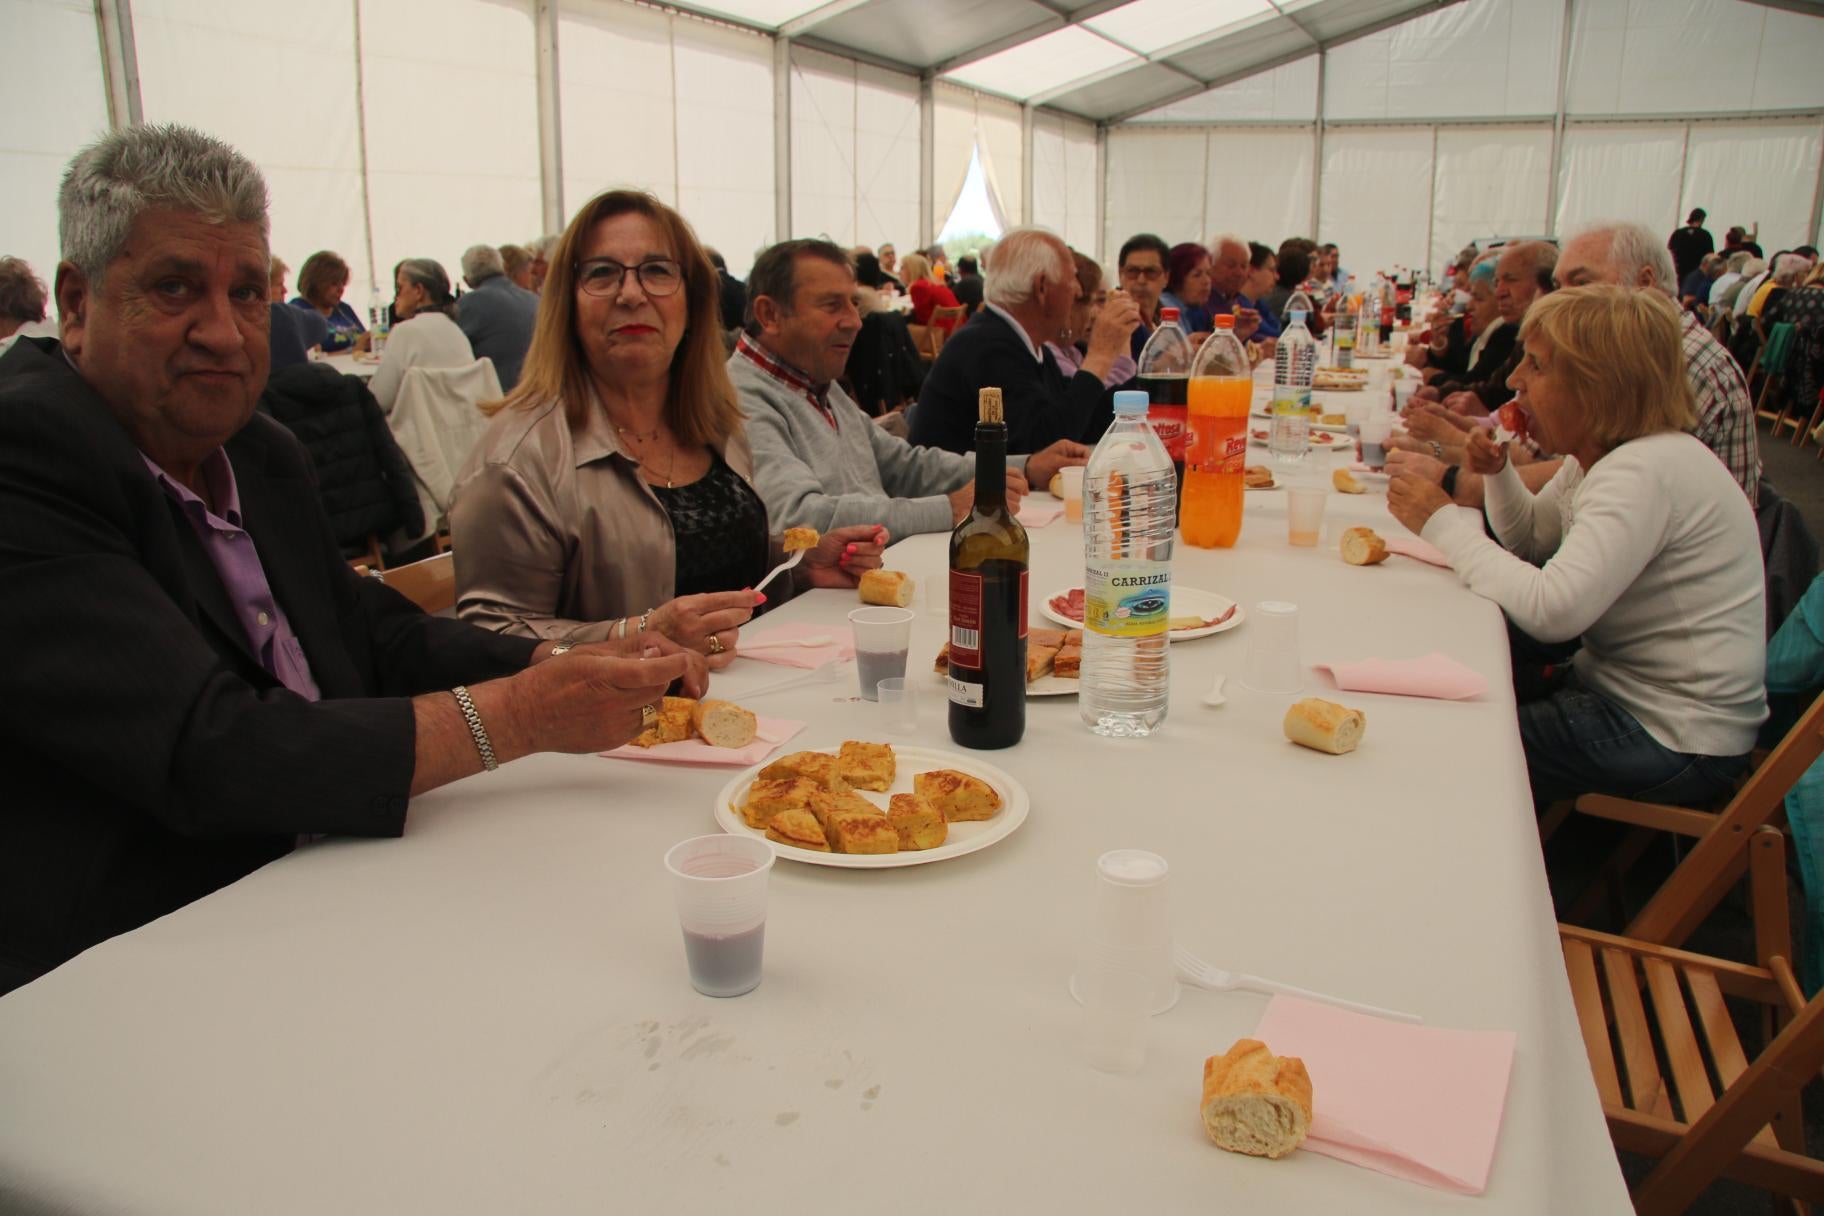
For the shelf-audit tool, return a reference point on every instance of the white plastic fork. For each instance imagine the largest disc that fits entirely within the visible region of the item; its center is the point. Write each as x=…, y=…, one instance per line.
x=1193, y=970
x=781, y=568
x=823, y=673
x=821, y=639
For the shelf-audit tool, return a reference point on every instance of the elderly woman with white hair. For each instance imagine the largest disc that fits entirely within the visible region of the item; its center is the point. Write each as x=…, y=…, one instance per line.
x=426, y=335
x=1641, y=544
x=1027, y=302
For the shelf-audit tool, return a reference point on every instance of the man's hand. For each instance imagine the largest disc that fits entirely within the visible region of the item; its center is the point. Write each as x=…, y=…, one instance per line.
x=1404, y=463
x=691, y=620
x=1413, y=500
x=1467, y=404
x=1247, y=320
x=1109, y=337
x=1428, y=393
x=961, y=501
x=589, y=699
x=1042, y=466
x=1484, y=455
x=1432, y=421
x=843, y=553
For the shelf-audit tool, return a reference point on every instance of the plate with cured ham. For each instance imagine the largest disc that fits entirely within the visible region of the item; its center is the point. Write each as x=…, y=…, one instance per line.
x=1194, y=613
x=1333, y=441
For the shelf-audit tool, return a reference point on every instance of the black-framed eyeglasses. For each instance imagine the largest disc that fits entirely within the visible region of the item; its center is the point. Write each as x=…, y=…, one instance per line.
x=604, y=276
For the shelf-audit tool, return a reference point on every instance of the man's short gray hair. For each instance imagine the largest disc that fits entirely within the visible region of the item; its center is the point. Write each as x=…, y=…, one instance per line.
x=481, y=263
x=541, y=246
x=1226, y=238
x=124, y=173
x=1020, y=258
x=1789, y=267
x=1634, y=248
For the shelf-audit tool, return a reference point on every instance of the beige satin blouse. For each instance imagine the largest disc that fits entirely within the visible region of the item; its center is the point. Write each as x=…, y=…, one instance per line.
x=556, y=535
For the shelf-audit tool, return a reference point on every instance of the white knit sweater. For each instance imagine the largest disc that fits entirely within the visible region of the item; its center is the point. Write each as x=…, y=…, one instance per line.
x=1652, y=557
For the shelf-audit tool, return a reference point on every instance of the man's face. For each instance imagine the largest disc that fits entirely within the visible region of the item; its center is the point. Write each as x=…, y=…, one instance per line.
x=278, y=287
x=1515, y=286
x=817, y=334
x=889, y=258
x=1143, y=277
x=1229, y=272
x=174, y=338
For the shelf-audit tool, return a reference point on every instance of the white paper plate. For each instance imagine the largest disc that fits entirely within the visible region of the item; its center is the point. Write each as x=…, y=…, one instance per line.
x=1341, y=443
x=1185, y=601
x=963, y=837
x=1262, y=412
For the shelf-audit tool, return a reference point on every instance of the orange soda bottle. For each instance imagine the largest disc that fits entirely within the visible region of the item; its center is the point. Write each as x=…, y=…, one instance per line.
x=1216, y=453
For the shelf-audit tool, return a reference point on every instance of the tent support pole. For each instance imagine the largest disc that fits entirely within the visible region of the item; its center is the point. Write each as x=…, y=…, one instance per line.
x=1027, y=177
x=927, y=162
x=1817, y=194
x=367, y=194
x=1317, y=144
x=550, y=119
x=1102, y=194
x=119, y=61
x=782, y=139
x=1564, y=79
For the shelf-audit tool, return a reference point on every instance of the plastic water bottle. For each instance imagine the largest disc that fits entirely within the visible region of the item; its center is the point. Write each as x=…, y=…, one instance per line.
x=378, y=329
x=1128, y=521
x=1294, y=366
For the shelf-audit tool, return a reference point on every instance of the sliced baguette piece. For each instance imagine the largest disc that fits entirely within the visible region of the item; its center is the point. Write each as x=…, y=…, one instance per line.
x=1255, y=1102
x=1325, y=726
x=1363, y=546
x=723, y=723
x=1346, y=483
x=888, y=588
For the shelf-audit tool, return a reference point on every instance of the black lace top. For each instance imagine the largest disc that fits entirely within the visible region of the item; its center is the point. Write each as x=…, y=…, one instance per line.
x=720, y=528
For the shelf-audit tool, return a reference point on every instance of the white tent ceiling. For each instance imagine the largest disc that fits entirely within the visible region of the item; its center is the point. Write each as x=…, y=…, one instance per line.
x=1101, y=59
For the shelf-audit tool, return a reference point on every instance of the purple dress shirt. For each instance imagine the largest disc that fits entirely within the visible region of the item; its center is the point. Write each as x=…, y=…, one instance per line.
x=237, y=563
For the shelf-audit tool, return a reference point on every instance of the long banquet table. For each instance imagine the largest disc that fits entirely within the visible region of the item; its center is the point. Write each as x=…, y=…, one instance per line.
x=491, y=1014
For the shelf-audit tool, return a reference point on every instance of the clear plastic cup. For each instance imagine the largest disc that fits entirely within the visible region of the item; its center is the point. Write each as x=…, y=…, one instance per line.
x=720, y=885
x=883, y=636
x=1305, y=514
x=1375, y=433
x=1274, y=664
x=1073, y=493
x=1124, y=965
x=898, y=705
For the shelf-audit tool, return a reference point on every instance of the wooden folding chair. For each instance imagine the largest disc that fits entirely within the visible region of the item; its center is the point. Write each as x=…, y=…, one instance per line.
x=926, y=340
x=430, y=584
x=1716, y=862
x=1719, y=1116
x=945, y=320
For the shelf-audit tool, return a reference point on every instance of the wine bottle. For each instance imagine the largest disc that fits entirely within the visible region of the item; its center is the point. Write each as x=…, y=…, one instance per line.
x=989, y=556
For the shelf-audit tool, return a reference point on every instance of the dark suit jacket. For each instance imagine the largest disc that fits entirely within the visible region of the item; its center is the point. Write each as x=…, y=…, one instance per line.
x=968, y=292
x=498, y=318
x=1042, y=406
x=147, y=757
x=1488, y=378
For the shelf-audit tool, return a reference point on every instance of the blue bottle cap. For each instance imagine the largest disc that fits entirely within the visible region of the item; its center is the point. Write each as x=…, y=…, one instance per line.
x=1131, y=401
x=1298, y=316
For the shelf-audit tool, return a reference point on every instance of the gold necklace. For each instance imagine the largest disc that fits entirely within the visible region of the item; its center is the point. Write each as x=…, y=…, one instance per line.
x=670, y=465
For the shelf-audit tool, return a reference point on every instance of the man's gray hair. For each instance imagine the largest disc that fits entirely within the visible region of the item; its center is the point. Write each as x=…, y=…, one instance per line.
x=481, y=263
x=1710, y=262
x=133, y=170
x=1738, y=260
x=1789, y=267
x=1226, y=238
x=1634, y=248
x=541, y=246
x=1020, y=257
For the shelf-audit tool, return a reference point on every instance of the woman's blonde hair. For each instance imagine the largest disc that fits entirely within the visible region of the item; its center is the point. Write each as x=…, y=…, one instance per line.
x=700, y=402
x=1620, y=351
x=913, y=267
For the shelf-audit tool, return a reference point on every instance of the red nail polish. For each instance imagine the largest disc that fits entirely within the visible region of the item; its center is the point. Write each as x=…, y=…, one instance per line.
x=760, y=597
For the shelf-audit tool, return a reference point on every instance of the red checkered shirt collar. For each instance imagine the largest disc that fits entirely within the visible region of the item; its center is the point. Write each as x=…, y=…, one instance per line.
x=786, y=374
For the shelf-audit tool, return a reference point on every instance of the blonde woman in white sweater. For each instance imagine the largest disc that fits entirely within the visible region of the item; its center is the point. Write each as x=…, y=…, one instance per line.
x=1643, y=545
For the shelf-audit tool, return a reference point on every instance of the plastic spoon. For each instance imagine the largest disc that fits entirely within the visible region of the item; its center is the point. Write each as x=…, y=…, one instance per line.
x=1214, y=697
x=823, y=673
x=1193, y=970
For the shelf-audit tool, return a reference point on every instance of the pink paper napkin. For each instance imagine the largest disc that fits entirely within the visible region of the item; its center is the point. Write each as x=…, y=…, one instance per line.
x=1418, y=550
x=1036, y=512
x=1435, y=675
x=1422, y=1103
x=841, y=645
x=695, y=751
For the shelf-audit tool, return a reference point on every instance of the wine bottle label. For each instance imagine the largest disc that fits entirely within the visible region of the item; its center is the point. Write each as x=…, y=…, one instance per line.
x=1127, y=598
x=966, y=618
x=962, y=692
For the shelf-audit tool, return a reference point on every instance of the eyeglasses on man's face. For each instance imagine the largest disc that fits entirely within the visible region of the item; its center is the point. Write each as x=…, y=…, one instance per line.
x=604, y=276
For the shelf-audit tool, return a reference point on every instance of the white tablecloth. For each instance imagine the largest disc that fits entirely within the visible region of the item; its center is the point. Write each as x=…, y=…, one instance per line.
x=349, y=364
x=491, y=1014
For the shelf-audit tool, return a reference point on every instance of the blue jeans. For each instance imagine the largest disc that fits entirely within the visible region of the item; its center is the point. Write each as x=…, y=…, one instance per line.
x=1579, y=742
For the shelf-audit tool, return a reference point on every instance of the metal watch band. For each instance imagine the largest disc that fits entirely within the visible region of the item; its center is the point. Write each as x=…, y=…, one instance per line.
x=480, y=732
x=560, y=648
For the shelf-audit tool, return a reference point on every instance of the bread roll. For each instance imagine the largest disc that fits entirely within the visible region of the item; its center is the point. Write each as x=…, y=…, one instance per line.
x=1255, y=1102
x=723, y=723
x=1347, y=484
x=888, y=588
x=1363, y=546
x=1325, y=726
x=800, y=538
x=1056, y=487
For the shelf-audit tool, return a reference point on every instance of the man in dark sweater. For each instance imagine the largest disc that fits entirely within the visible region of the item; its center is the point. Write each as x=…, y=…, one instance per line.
x=1031, y=286
x=968, y=289
x=1690, y=245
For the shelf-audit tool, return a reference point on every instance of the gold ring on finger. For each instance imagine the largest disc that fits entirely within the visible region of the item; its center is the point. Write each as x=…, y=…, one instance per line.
x=715, y=644
x=649, y=717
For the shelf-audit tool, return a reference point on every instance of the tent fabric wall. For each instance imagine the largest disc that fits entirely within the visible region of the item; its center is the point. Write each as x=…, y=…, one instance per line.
x=724, y=83
x=1001, y=129
x=1287, y=93
x=1488, y=181
x=1377, y=196
x=1741, y=170
x=953, y=142
x=1482, y=59
x=854, y=151
x=1156, y=182
x=1064, y=179
x=41, y=135
x=1259, y=183
x=966, y=123
x=615, y=62
x=1662, y=57
x=1622, y=172
x=886, y=157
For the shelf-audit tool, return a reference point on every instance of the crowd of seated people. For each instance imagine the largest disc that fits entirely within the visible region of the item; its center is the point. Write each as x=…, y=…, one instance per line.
x=661, y=423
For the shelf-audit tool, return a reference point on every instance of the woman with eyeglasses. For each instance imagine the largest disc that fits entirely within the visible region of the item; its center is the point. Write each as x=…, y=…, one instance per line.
x=612, y=494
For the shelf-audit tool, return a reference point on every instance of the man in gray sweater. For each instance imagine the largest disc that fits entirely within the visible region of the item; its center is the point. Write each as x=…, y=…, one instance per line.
x=819, y=461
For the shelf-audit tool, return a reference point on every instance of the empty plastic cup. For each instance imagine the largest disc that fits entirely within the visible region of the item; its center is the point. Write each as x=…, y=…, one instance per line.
x=898, y=705
x=1274, y=664
x=1305, y=514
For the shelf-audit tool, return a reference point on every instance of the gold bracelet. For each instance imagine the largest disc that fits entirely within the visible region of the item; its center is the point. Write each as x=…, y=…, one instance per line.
x=480, y=733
